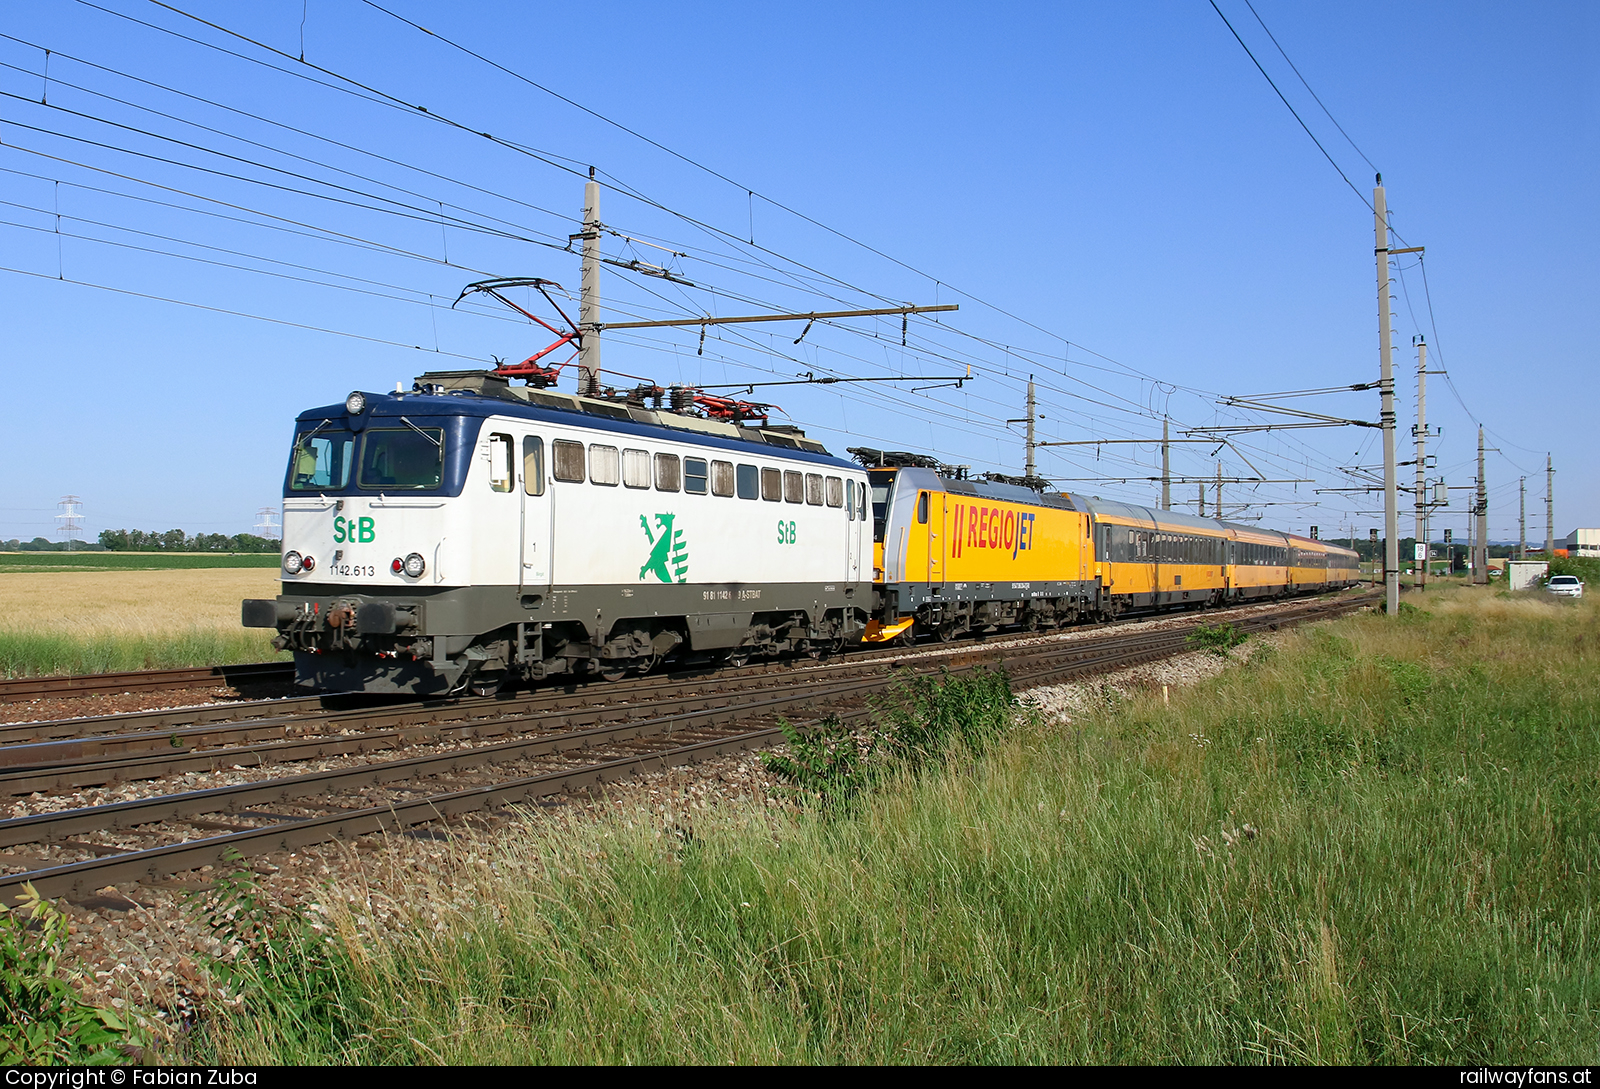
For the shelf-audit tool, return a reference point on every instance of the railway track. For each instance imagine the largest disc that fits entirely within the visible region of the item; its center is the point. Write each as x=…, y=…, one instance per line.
x=20, y=689
x=183, y=718
x=466, y=756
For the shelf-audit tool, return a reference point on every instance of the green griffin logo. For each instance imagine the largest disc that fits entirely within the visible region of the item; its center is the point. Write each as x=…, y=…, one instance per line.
x=667, y=549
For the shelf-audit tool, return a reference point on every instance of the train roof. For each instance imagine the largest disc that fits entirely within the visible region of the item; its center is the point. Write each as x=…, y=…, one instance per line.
x=1172, y=519
x=501, y=399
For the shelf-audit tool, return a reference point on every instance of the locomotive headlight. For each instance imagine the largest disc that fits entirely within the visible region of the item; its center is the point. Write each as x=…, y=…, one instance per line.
x=415, y=565
x=356, y=403
x=292, y=563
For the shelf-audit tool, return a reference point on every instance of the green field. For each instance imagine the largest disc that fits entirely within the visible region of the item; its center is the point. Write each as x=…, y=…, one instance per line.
x=1374, y=844
x=131, y=561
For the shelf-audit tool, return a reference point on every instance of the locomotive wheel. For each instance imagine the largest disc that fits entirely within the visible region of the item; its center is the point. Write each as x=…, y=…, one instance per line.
x=612, y=669
x=487, y=684
x=946, y=633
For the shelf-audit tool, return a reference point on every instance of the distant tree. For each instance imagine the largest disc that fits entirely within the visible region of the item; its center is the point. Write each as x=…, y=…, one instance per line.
x=249, y=542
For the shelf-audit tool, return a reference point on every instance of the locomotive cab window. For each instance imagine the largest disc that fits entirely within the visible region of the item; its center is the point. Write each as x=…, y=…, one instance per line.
x=749, y=481
x=502, y=471
x=408, y=457
x=694, y=476
x=569, y=461
x=771, y=485
x=666, y=472
x=881, y=484
x=635, y=469
x=603, y=466
x=533, y=465
x=321, y=459
x=722, y=478
x=794, y=487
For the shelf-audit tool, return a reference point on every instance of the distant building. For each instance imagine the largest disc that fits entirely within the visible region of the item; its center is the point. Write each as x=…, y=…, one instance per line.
x=1581, y=542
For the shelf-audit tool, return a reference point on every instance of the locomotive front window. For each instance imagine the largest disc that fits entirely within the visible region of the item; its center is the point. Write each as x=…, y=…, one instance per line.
x=880, y=503
x=405, y=457
x=321, y=460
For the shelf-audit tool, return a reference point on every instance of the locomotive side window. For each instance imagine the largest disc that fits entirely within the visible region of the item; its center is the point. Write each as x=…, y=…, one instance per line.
x=635, y=469
x=603, y=467
x=410, y=457
x=533, y=465
x=666, y=472
x=722, y=478
x=922, y=508
x=814, y=489
x=694, y=476
x=502, y=471
x=836, y=494
x=569, y=461
x=794, y=487
x=771, y=485
x=749, y=481
x=322, y=460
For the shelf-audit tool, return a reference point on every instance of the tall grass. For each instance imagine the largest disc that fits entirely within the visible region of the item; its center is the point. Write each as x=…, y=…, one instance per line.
x=1374, y=844
x=40, y=653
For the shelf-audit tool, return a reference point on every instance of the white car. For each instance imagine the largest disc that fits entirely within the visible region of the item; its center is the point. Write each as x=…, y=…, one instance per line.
x=1565, y=586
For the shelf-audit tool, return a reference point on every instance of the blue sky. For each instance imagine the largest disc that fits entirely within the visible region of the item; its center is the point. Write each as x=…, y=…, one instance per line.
x=1114, y=194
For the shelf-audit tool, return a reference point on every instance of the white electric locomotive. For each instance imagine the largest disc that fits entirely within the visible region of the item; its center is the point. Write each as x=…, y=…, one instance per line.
x=470, y=531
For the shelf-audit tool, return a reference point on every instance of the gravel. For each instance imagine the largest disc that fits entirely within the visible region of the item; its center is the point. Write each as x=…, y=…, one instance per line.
x=120, y=703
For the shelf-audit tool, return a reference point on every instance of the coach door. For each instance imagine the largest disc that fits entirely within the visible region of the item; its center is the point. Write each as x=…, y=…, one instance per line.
x=536, y=516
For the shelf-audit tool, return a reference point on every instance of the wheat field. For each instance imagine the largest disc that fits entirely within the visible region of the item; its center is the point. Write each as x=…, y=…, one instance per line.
x=97, y=621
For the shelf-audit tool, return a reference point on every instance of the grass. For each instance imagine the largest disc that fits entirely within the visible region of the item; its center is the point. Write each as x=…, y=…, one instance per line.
x=108, y=621
x=131, y=561
x=1372, y=844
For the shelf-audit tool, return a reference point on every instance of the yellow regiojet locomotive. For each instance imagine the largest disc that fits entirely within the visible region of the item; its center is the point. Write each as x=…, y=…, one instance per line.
x=952, y=555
